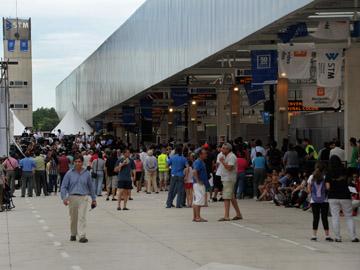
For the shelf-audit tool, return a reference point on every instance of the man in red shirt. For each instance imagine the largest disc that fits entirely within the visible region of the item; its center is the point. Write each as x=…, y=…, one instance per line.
x=63, y=166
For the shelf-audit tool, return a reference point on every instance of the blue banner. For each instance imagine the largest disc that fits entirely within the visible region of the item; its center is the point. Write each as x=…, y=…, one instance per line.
x=99, y=125
x=146, y=106
x=11, y=45
x=255, y=93
x=24, y=45
x=128, y=116
x=264, y=67
x=356, y=32
x=266, y=117
x=295, y=30
x=180, y=96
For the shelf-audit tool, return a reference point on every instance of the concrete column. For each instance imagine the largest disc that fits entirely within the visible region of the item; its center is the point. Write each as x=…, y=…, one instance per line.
x=193, y=133
x=223, y=112
x=281, y=110
x=192, y=120
x=235, y=101
x=351, y=97
x=163, y=130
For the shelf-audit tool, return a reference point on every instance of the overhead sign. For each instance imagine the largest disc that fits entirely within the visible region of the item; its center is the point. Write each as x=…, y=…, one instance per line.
x=295, y=60
x=292, y=31
x=297, y=106
x=243, y=80
x=128, y=116
x=320, y=97
x=254, y=93
x=16, y=29
x=180, y=95
x=203, y=93
x=329, y=65
x=333, y=30
x=264, y=67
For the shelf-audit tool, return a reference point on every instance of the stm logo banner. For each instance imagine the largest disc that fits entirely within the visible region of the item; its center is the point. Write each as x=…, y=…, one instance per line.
x=329, y=64
x=332, y=56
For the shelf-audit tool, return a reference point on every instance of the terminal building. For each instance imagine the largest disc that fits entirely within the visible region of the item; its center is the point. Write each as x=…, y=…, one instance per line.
x=206, y=70
x=17, y=48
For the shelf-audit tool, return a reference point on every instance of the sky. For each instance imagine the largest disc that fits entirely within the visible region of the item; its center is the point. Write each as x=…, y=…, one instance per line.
x=64, y=34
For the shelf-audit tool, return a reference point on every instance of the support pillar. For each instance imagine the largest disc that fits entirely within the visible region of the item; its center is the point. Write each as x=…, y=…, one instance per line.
x=222, y=115
x=281, y=110
x=192, y=122
x=351, y=97
x=235, y=114
x=164, y=130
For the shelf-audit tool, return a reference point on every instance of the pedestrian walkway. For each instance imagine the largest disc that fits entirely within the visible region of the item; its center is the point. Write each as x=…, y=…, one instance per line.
x=36, y=236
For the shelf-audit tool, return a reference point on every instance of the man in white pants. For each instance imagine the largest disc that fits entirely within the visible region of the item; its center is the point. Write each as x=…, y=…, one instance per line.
x=75, y=189
x=150, y=168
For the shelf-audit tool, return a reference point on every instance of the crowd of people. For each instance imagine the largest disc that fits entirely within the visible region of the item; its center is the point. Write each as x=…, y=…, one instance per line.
x=292, y=176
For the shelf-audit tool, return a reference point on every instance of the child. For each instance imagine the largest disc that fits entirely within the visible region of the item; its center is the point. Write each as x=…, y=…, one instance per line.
x=189, y=184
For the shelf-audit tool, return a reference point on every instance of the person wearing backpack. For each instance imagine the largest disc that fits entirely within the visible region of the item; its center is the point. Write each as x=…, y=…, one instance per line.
x=318, y=189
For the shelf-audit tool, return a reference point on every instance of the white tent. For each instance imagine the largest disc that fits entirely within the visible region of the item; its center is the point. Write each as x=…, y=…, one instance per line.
x=16, y=127
x=72, y=123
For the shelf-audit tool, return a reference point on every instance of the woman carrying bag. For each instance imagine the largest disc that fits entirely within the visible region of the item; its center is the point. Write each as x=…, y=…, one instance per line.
x=318, y=190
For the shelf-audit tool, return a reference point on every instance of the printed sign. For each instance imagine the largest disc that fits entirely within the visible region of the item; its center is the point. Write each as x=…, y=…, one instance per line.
x=320, y=97
x=295, y=60
x=333, y=30
x=329, y=64
x=264, y=67
x=16, y=29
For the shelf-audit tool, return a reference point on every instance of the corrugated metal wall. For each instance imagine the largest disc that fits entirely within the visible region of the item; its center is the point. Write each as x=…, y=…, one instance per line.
x=160, y=40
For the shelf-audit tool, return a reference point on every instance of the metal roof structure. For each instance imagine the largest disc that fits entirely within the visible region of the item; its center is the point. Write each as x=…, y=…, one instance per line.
x=166, y=40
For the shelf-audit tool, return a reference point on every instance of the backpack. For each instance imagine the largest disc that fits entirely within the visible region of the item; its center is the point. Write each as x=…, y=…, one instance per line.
x=318, y=192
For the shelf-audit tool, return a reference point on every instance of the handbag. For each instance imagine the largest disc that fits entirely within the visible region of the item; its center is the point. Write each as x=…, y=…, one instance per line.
x=94, y=174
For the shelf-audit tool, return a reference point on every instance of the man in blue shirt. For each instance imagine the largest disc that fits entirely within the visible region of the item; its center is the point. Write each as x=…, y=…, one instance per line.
x=177, y=163
x=75, y=189
x=200, y=180
x=27, y=166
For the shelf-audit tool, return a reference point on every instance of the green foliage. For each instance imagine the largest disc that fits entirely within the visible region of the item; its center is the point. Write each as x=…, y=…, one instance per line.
x=45, y=119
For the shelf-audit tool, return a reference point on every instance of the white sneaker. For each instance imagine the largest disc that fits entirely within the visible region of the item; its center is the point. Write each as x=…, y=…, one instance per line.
x=255, y=198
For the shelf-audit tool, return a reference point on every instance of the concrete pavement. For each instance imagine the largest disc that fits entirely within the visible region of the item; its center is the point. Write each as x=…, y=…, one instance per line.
x=35, y=235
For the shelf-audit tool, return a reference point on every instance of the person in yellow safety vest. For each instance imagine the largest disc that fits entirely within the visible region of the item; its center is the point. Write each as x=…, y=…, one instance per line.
x=311, y=153
x=163, y=170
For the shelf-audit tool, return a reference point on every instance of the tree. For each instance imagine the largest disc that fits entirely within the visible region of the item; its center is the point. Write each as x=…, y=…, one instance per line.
x=45, y=119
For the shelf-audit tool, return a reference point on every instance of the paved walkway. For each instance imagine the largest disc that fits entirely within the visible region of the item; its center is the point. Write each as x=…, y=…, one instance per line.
x=36, y=236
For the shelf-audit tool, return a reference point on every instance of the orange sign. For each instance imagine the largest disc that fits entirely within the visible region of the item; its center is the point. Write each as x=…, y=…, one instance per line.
x=297, y=106
x=300, y=53
x=320, y=91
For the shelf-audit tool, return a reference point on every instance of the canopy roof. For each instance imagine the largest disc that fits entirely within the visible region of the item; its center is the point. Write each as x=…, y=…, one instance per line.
x=16, y=127
x=73, y=123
